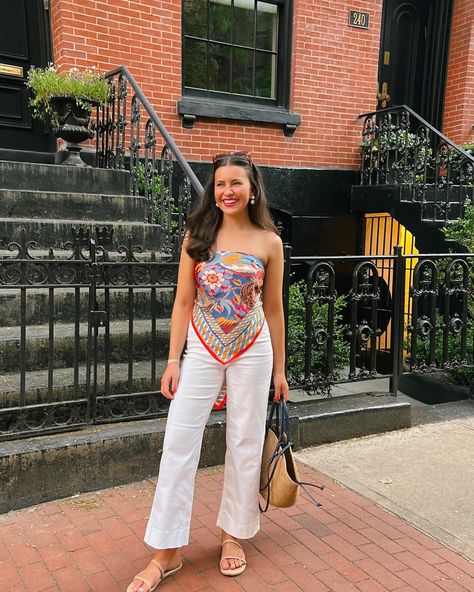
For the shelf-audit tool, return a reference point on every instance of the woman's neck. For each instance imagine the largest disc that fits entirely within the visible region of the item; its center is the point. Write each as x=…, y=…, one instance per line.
x=234, y=225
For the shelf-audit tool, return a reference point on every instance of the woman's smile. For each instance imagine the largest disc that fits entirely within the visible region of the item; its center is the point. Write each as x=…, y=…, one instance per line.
x=229, y=202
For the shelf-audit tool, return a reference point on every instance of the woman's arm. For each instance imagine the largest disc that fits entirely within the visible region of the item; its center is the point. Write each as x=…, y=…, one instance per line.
x=273, y=309
x=182, y=310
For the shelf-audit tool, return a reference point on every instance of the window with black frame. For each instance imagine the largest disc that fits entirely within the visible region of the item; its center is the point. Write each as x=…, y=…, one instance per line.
x=235, y=49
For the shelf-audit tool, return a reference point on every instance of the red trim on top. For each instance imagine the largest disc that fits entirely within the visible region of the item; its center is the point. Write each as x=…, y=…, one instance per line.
x=238, y=354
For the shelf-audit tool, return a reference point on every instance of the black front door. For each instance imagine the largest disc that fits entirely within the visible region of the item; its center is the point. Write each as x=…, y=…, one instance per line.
x=413, y=56
x=24, y=41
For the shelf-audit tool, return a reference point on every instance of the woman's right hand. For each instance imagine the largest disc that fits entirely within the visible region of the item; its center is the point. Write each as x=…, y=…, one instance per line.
x=169, y=380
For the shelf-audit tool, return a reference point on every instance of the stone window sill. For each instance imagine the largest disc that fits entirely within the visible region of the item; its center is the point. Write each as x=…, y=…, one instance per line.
x=190, y=108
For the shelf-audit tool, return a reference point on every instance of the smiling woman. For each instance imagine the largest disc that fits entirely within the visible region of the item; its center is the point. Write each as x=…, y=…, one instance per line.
x=228, y=309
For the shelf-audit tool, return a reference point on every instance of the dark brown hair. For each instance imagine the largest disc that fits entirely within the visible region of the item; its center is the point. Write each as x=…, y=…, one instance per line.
x=205, y=220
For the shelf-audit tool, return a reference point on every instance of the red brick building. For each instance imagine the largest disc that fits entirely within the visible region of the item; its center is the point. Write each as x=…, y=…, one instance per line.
x=285, y=79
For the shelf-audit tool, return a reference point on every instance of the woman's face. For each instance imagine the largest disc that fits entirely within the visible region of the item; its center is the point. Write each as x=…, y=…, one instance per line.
x=232, y=189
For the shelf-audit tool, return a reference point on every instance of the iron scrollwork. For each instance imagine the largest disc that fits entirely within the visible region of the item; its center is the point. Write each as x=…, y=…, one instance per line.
x=362, y=335
x=319, y=373
x=400, y=148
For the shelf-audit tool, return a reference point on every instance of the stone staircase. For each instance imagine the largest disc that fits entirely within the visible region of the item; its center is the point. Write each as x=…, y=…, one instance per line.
x=42, y=203
x=47, y=200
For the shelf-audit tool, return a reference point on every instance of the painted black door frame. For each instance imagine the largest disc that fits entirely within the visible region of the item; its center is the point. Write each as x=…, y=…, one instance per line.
x=26, y=40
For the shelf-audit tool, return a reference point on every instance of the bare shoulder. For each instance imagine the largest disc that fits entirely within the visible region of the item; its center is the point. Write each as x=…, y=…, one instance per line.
x=272, y=244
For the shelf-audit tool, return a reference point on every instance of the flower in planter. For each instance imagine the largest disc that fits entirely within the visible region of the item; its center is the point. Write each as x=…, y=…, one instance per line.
x=87, y=87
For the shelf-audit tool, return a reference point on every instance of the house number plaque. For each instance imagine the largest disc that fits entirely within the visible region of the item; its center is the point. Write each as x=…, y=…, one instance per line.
x=358, y=19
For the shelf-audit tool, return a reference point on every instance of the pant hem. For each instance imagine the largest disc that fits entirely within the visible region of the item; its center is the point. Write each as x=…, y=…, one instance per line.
x=167, y=540
x=237, y=530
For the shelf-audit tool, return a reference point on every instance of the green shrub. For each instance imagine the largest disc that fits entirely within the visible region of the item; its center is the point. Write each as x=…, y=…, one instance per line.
x=321, y=382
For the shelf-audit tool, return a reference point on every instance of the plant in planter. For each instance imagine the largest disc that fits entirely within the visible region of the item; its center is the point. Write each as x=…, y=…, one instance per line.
x=66, y=100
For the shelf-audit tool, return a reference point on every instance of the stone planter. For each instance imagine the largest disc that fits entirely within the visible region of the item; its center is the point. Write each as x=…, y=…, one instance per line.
x=73, y=125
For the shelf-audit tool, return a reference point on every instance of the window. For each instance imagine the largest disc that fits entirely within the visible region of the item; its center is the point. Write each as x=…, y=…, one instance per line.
x=236, y=51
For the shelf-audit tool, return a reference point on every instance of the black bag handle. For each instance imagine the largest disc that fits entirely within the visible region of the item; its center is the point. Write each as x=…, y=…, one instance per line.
x=279, y=409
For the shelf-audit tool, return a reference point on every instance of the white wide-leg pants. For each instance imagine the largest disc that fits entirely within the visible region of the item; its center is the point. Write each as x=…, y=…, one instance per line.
x=248, y=382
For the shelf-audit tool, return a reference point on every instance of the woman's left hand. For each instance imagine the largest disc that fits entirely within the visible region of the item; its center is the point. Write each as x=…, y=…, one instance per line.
x=281, y=387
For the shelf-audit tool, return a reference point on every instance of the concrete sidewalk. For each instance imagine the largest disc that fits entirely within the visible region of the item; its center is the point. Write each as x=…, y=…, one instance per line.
x=93, y=543
x=424, y=474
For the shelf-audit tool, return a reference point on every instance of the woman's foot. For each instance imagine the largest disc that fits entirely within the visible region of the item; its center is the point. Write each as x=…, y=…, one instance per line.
x=233, y=561
x=164, y=563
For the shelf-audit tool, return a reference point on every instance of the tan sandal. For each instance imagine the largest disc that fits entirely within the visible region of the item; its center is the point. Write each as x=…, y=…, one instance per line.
x=238, y=570
x=164, y=573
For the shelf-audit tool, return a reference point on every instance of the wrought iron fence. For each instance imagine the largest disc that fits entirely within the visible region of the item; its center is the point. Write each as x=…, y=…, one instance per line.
x=84, y=330
x=83, y=335
x=400, y=148
x=128, y=137
x=422, y=306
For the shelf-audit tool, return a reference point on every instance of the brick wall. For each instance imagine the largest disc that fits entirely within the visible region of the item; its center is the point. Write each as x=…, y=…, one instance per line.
x=334, y=74
x=459, y=102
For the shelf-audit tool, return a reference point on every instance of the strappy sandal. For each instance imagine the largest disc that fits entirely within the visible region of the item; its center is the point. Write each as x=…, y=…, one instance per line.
x=164, y=573
x=238, y=570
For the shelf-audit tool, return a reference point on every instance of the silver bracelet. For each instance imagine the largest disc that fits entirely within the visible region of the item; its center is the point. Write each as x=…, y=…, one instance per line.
x=173, y=361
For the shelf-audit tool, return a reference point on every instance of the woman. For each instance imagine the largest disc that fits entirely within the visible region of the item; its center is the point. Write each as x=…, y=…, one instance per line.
x=229, y=310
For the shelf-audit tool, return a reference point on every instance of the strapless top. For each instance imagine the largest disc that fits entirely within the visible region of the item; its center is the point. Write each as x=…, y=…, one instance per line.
x=228, y=313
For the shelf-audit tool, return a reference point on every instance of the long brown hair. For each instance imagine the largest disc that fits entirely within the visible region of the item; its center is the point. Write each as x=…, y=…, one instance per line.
x=205, y=220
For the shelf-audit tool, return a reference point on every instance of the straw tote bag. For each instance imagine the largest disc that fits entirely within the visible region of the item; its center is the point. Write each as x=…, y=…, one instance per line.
x=279, y=477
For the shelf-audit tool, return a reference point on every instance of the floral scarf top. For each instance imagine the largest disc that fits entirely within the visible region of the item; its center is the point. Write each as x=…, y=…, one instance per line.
x=228, y=313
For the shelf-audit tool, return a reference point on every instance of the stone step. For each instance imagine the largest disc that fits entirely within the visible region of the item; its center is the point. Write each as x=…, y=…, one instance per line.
x=37, y=344
x=49, y=233
x=53, y=177
x=64, y=303
x=64, y=389
x=27, y=156
x=65, y=206
x=102, y=456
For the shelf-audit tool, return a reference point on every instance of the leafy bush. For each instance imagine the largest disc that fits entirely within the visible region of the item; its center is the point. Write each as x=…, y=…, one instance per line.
x=160, y=216
x=85, y=86
x=296, y=341
x=462, y=229
x=403, y=150
x=460, y=167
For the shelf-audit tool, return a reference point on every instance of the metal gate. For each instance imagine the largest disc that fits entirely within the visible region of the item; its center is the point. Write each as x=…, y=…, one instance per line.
x=84, y=334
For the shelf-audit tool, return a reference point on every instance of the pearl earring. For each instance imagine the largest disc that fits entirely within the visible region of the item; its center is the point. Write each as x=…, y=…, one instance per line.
x=252, y=200
x=217, y=205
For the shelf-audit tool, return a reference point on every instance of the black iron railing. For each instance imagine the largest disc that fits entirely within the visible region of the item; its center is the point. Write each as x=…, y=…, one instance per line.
x=371, y=316
x=83, y=334
x=84, y=331
x=131, y=136
x=401, y=148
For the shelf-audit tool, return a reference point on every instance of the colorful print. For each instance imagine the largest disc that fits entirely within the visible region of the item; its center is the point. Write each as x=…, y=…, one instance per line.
x=228, y=313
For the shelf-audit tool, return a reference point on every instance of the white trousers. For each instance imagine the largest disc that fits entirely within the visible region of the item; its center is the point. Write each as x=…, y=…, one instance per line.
x=248, y=382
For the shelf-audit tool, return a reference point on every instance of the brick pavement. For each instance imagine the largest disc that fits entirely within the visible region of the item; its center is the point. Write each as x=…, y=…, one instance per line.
x=93, y=543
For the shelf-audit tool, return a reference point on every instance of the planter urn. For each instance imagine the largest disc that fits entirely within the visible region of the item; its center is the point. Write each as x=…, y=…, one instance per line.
x=73, y=126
